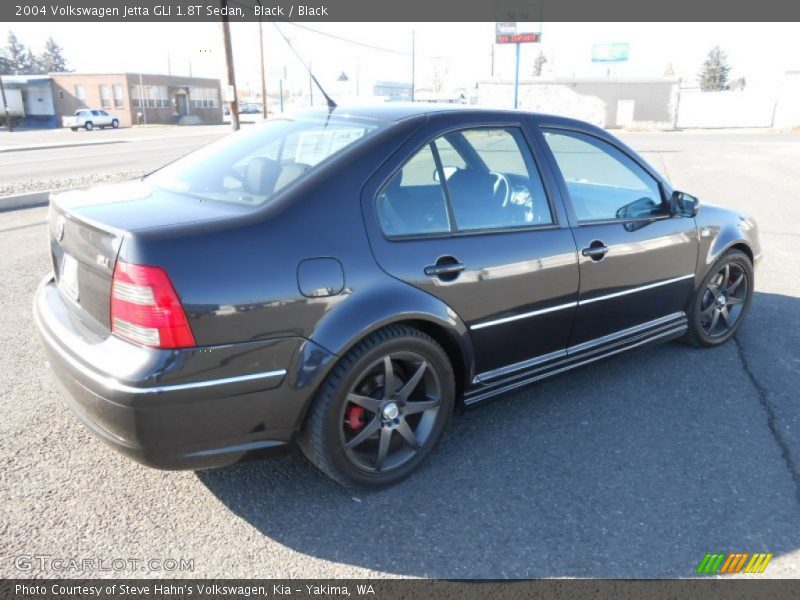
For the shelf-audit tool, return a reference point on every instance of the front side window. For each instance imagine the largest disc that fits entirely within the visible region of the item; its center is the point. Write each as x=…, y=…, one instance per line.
x=251, y=166
x=603, y=182
x=468, y=180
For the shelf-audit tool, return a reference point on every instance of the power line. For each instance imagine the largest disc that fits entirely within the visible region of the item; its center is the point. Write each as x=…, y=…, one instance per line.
x=362, y=44
x=348, y=40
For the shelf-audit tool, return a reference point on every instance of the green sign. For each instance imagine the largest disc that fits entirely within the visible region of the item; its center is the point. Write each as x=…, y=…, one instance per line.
x=614, y=52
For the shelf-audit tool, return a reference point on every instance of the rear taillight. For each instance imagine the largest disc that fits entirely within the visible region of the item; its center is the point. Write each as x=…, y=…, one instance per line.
x=146, y=309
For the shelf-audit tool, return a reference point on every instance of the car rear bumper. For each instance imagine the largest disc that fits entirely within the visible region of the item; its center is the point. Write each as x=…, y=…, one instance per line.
x=178, y=409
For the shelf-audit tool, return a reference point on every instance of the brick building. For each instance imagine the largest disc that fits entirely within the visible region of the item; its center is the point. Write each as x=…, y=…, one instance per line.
x=134, y=98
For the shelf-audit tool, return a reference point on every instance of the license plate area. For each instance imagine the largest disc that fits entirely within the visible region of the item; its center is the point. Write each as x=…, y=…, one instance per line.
x=68, y=281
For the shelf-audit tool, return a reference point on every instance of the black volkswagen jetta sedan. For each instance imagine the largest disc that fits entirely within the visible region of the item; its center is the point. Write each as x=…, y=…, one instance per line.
x=347, y=278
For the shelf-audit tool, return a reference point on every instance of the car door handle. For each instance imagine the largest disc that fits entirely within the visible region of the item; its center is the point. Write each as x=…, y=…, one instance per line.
x=445, y=268
x=596, y=250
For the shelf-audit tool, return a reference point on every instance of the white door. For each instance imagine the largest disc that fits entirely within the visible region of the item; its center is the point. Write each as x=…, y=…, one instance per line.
x=625, y=110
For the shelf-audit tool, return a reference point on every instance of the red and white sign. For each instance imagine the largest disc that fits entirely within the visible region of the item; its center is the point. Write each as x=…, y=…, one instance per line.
x=516, y=33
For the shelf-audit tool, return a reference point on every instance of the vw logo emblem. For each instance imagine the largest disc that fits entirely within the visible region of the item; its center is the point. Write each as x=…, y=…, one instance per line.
x=60, y=228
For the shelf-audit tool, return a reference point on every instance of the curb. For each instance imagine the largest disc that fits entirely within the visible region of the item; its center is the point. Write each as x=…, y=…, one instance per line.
x=27, y=200
x=127, y=140
x=64, y=145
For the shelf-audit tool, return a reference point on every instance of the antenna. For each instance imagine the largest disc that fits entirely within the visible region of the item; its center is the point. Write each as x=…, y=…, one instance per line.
x=328, y=99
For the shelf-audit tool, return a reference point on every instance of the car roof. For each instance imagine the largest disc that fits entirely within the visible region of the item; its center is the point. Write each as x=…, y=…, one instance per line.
x=398, y=111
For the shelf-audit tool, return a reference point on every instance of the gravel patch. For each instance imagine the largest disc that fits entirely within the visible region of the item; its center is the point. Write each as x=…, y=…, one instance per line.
x=61, y=183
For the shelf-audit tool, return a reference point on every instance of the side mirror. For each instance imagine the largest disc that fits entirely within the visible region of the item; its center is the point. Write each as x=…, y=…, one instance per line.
x=684, y=205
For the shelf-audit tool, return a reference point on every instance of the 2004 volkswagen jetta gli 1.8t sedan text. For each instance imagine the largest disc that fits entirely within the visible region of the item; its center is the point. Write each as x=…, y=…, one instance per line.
x=348, y=278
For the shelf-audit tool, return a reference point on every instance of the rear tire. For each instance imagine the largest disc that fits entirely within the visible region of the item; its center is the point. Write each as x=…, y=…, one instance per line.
x=365, y=434
x=88, y=126
x=722, y=300
x=115, y=124
x=74, y=128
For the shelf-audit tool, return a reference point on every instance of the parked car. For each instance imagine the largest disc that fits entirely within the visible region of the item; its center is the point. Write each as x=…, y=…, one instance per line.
x=88, y=119
x=347, y=279
x=250, y=108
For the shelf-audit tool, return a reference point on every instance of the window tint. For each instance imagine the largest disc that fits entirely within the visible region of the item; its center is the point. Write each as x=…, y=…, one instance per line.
x=498, y=149
x=603, y=182
x=413, y=202
x=491, y=182
x=499, y=186
x=451, y=159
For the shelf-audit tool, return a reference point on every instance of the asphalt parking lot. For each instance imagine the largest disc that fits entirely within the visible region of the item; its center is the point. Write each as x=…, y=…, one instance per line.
x=632, y=467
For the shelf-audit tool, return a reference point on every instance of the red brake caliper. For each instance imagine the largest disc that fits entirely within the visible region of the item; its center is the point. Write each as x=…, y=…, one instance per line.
x=354, y=417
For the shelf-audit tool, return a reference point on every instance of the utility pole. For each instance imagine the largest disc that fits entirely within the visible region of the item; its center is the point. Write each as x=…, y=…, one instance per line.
x=413, y=62
x=263, y=73
x=516, y=77
x=226, y=35
x=5, y=105
x=142, y=100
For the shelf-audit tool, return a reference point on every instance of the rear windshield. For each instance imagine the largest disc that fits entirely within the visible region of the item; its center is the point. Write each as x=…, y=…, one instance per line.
x=251, y=166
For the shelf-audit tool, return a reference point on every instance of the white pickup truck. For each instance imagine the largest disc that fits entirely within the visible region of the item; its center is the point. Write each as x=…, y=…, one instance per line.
x=89, y=119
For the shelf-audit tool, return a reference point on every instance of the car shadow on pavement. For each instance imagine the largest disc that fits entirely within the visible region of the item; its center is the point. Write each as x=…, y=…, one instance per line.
x=632, y=467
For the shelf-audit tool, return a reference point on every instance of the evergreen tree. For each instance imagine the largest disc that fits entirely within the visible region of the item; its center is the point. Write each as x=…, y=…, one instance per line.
x=538, y=64
x=5, y=64
x=52, y=60
x=714, y=75
x=33, y=64
x=17, y=55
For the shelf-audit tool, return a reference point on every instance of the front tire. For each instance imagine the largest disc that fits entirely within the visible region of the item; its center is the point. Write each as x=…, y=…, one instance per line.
x=382, y=410
x=722, y=300
x=89, y=126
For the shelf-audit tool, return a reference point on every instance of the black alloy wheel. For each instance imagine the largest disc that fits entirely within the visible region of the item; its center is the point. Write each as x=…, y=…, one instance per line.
x=722, y=300
x=382, y=409
x=390, y=412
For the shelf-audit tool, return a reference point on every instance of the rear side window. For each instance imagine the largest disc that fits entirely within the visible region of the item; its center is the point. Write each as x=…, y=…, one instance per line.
x=603, y=182
x=413, y=202
x=252, y=166
x=469, y=180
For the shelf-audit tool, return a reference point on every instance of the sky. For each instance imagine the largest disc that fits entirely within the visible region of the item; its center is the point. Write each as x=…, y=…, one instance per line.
x=457, y=53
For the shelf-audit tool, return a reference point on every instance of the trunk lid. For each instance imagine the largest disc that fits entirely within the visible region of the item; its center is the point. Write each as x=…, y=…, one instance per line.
x=87, y=227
